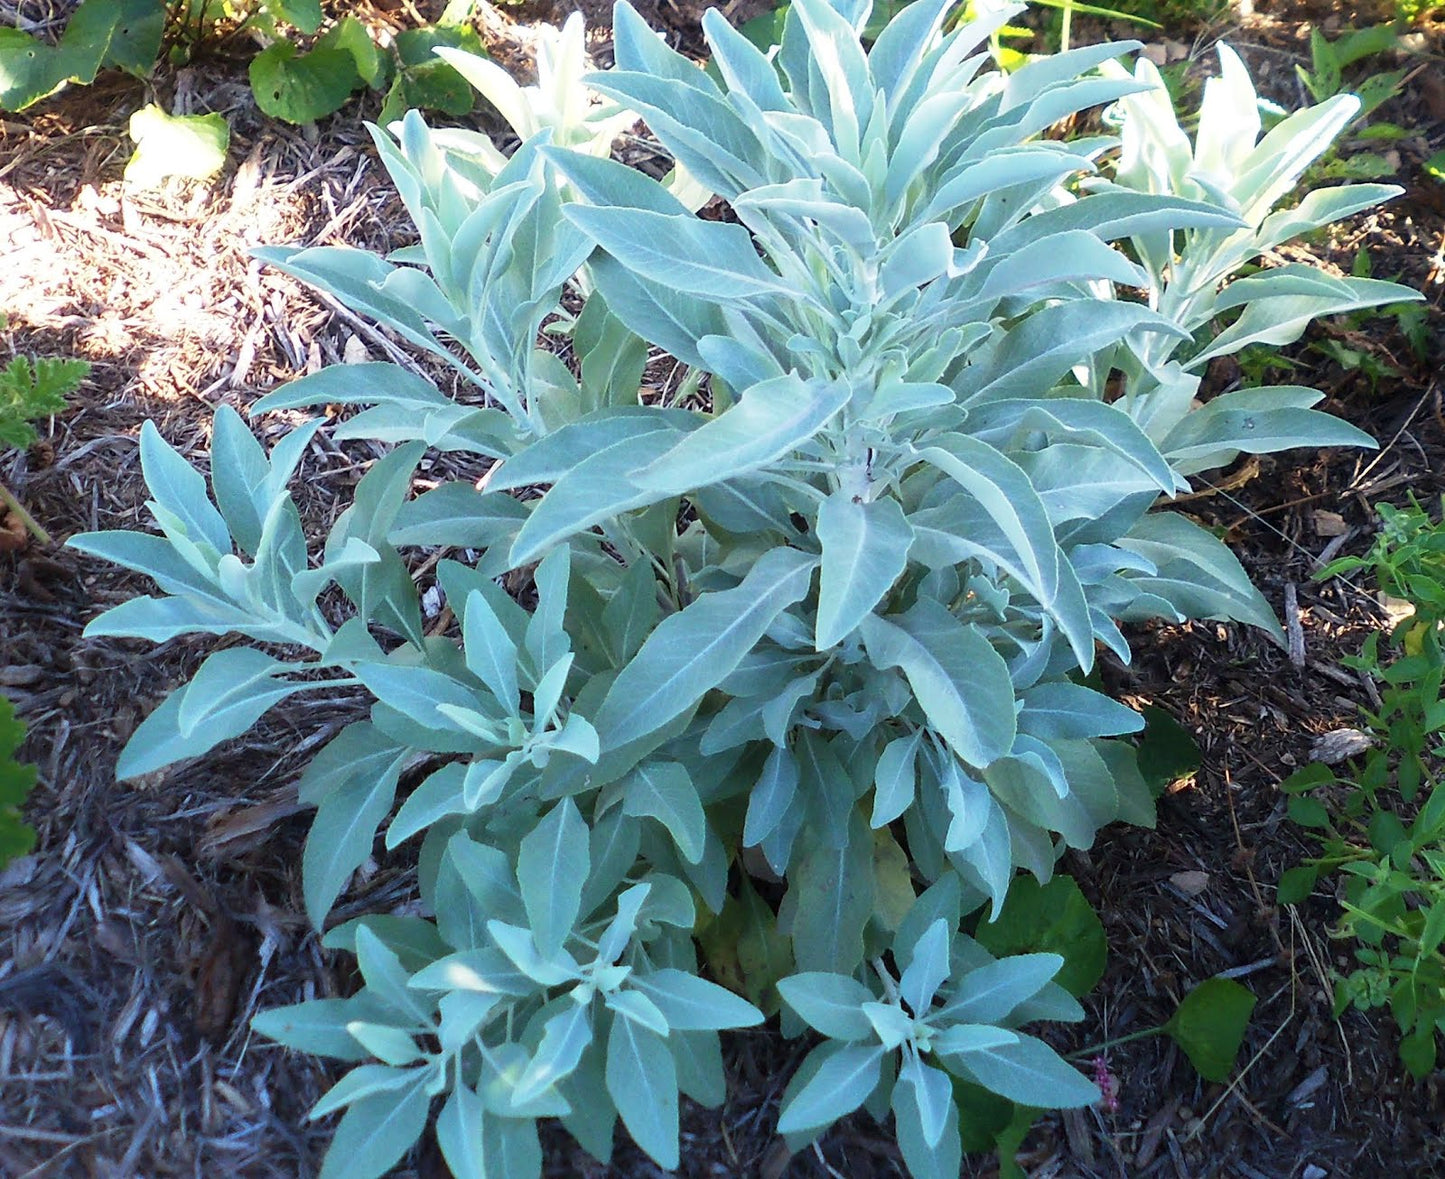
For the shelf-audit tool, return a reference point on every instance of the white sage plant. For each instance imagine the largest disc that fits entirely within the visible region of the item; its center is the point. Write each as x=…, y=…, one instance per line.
x=824, y=629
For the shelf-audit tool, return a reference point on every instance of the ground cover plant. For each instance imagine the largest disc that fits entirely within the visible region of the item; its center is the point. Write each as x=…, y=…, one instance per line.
x=804, y=631
x=1382, y=823
x=297, y=75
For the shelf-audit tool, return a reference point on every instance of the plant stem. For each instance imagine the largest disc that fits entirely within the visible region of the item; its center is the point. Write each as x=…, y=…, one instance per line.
x=27, y=521
x=1104, y=1045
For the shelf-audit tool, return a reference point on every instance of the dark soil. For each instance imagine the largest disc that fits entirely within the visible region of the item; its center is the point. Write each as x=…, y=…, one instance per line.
x=156, y=917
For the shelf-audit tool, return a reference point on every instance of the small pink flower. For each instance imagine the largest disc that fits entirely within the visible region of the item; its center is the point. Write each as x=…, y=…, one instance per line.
x=1108, y=1085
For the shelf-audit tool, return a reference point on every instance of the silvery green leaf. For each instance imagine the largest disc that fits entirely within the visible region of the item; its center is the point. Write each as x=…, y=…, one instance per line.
x=690, y=1003
x=703, y=134
x=1282, y=319
x=387, y=978
x=1255, y=421
x=376, y=1131
x=359, y=1083
x=317, y=1026
x=662, y=790
x=491, y=654
x=623, y=925
x=155, y=557
x=160, y=619
x=637, y=1007
x=564, y=1038
x=829, y=1003
x=416, y=692
x=556, y=453
x=632, y=612
x=699, y=1062
x=180, y=489
x=545, y=637
x=548, y=692
x=373, y=383
x=1000, y=169
x=895, y=779
x=988, y=860
x=1027, y=1071
x=743, y=66
x=459, y=1131
x=456, y=514
x=834, y=889
x=390, y=1045
x=990, y=994
x=358, y=279
x=1074, y=420
x=709, y=259
x=342, y=833
x=240, y=472
x=1280, y=158
x=961, y=682
x=1319, y=208
x=932, y=1093
x=613, y=842
x=768, y=422
x=359, y=752
x=1059, y=708
x=772, y=796
x=605, y=182
x=230, y=684
x=692, y=651
x=842, y=1081
x=918, y=1110
x=552, y=866
x=1197, y=575
x=664, y=315
x=865, y=549
x=164, y=737
x=592, y=492
x=927, y=968
x=826, y=787
x=485, y=971
x=439, y=795
x=1041, y=348
x=891, y=1024
x=642, y=1082
x=518, y=944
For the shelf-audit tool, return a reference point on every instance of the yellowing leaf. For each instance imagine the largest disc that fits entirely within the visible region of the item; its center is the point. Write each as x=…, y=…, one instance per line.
x=192, y=146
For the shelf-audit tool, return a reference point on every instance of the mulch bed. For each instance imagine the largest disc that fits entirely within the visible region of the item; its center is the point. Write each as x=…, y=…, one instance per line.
x=155, y=917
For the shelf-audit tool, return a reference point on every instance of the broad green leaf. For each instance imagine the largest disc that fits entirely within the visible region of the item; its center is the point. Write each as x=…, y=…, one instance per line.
x=1053, y=917
x=1210, y=1024
x=692, y=651
x=865, y=549
x=552, y=867
x=304, y=88
x=961, y=682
